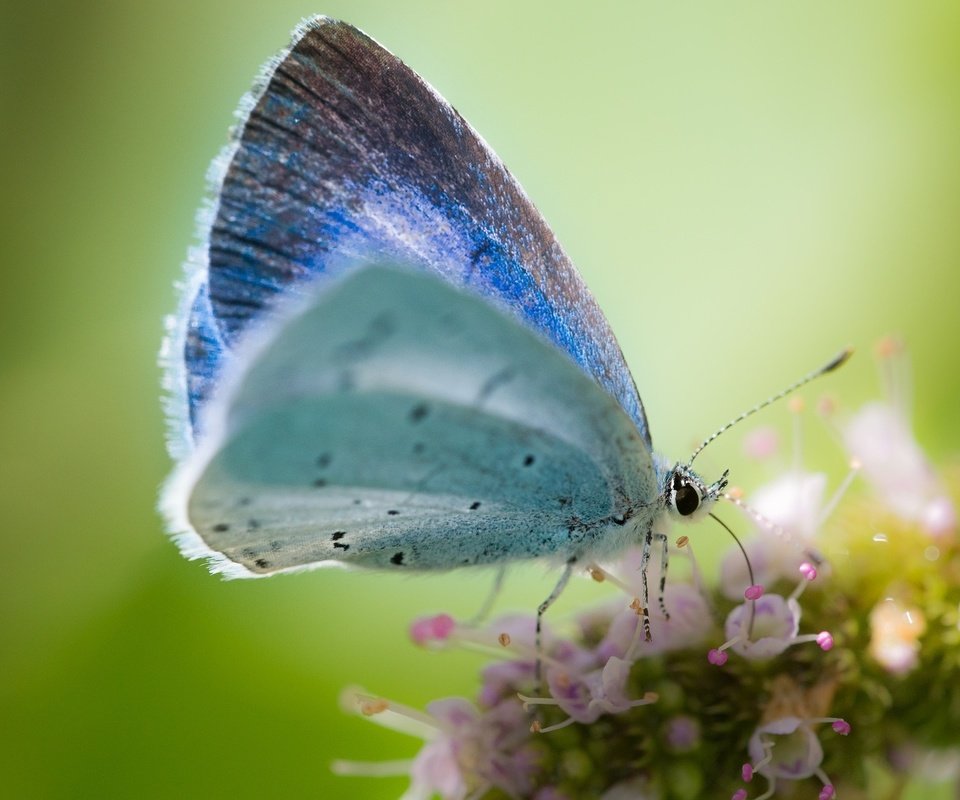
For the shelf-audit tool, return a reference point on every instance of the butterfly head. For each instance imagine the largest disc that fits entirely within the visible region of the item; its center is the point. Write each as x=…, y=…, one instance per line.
x=687, y=496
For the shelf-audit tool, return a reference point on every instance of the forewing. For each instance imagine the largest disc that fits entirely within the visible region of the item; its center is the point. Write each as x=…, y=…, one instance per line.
x=345, y=155
x=398, y=421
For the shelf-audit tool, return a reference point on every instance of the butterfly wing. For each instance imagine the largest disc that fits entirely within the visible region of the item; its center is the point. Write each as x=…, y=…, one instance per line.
x=396, y=421
x=345, y=155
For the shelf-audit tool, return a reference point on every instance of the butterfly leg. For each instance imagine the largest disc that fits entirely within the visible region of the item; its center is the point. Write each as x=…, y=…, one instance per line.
x=557, y=591
x=491, y=598
x=664, y=559
x=645, y=596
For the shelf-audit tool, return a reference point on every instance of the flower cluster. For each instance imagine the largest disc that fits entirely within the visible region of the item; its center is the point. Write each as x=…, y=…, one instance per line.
x=837, y=646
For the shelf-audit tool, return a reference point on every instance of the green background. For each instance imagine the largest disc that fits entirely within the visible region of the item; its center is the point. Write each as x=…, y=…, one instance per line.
x=746, y=187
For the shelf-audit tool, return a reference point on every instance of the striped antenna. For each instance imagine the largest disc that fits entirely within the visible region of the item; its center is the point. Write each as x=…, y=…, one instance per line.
x=831, y=365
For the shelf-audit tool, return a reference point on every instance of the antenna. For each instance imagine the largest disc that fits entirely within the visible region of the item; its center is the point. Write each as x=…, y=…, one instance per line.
x=831, y=365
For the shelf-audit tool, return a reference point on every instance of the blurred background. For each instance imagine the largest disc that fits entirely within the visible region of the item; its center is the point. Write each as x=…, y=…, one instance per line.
x=746, y=187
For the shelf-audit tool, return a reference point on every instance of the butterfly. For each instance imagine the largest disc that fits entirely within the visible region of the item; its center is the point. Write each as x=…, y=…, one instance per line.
x=382, y=356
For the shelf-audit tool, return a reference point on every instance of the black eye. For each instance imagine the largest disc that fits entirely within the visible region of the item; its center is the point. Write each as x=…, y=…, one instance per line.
x=686, y=499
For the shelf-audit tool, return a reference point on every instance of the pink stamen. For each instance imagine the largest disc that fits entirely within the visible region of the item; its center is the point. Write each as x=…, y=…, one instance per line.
x=746, y=772
x=740, y=794
x=808, y=571
x=429, y=629
x=717, y=657
x=841, y=726
x=825, y=640
x=826, y=792
x=754, y=592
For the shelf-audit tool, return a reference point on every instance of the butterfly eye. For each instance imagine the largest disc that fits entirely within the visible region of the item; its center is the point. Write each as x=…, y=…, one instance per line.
x=686, y=499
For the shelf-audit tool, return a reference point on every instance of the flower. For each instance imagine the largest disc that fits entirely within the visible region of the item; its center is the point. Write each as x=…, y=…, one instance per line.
x=764, y=628
x=466, y=752
x=879, y=436
x=785, y=746
x=598, y=710
x=586, y=697
x=895, y=632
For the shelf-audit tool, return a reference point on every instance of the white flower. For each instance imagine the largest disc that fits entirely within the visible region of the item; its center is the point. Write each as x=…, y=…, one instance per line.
x=794, y=504
x=879, y=436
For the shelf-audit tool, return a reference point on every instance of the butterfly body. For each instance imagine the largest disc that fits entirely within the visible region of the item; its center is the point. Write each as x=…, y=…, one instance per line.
x=383, y=356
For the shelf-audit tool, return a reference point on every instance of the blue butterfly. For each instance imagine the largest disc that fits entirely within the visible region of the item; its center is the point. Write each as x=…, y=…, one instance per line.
x=383, y=358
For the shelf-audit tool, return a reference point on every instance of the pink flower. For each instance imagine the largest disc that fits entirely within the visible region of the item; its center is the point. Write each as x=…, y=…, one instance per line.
x=467, y=752
x=794, y=749
x=776, y=623
x=879, y=436
x=473, y=751
x=585, y=698
x=784, y=746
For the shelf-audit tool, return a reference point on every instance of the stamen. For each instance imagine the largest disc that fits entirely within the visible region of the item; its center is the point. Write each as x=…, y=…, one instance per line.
x=427, y=630
x=394, y=716
x=827, y=792
x=566, y=723
x=834, y=501
x=684, y=544
x=841, y=726
x=600, y=575
x=754, y=592
x=631, y=654
x=796, y=407
x=717, y=656
x=372, y=769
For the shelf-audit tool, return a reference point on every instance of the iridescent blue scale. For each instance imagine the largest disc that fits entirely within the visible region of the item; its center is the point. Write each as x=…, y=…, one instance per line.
x=346, y=156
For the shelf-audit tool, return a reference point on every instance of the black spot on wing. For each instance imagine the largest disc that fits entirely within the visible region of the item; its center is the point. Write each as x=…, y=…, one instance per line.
x=262, y=563
x=393, y=512
x=221, y=527
x=341, y=546
x=338, y=535
x=528, y=460
x=320, y=482
x=323, y=460
x=419, y=412
x=475, y=505
x=397, y=558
